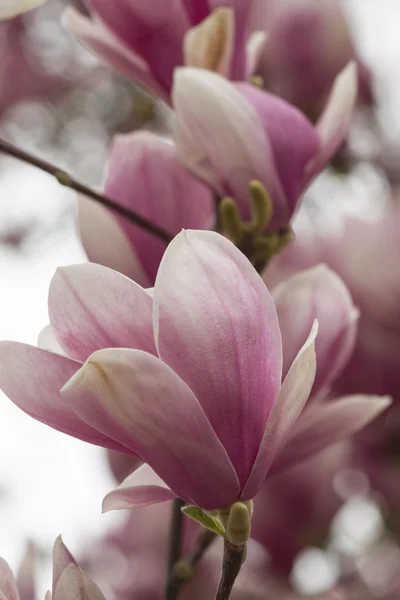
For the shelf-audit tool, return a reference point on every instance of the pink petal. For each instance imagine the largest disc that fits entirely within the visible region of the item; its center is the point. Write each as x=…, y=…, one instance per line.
x=107, y=47
x=136, y=399
x=294, y=142
x=135, y=491
x=74, y=585
x=219, y=331
x=325, y=423
x=8, y=586
x=197, y=10
x=97, y=224
x=154, y=29
x=285, y=412
x=48, y=341
x=334, y=122
x=26, y=576
x=146, y=176
x=32, y=378
x=320, y=294
x=62, y=558
x=92, y=307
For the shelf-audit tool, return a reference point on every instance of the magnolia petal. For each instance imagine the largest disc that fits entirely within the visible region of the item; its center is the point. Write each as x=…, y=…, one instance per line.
x=216, y=326
x=92, y=307
x=62, y=558
x=197, y=10
x=32, y=377
x=254, y=50
x=136, y=496
x=209, y=45
x=138, y=400
x=219, y=135
x=26, y=579
x=334, y=122
x=8, y=585
x=74, y=585
x=48, y=341
x=97, y=224
x=12, y=8
x=317, y=293
x=146, y=176
x=285, y=412
x=102, y=42
x=154, y=30
x=325, y=423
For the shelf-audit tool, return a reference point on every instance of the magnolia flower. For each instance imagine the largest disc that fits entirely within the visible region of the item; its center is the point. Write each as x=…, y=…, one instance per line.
x=147, y=40
x=309, y=43
x=144, y=175
x=12, y=8
x=230, y=134
x=69, y=582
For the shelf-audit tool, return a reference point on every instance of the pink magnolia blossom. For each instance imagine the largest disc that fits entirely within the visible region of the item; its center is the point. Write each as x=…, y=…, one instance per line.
x=309, y=43
x=69, y=582
x=147, y=39
x=229, y=134
x=187, y=377
x=145, y=176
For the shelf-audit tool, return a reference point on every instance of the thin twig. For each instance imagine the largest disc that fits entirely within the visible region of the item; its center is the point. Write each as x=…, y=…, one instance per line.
x=185, y=569
x=175, y=542
x=65, y=179
x=231, y=565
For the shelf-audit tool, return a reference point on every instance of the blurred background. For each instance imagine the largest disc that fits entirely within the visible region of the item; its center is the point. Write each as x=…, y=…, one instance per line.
x=59, y=102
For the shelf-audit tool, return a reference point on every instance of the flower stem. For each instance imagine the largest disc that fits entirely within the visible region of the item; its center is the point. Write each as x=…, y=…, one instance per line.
x=65, y=179
x=231, y=565
x=175, y=543
x=184, y=569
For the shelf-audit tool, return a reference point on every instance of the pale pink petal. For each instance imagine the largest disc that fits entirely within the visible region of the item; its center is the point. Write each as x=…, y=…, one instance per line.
x=62, y=558
x=220, y=137
x=285, y=412
x=325, y=423
x=334, y=122
x=146, y=176
x=92, y=307
x=209, y=45
x=97, y=224
x=218, y=330
x=48, y=341
x=26, y=576
x=254, y=50
x=8, y=586
x=154, y=29
x=136, y=399
x=104, y=44
x=135, y=491
x=74, y=585
x=317, y=293
x=32, y=378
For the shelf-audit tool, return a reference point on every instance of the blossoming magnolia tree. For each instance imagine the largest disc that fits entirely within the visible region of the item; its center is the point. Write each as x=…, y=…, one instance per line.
x=214, y=356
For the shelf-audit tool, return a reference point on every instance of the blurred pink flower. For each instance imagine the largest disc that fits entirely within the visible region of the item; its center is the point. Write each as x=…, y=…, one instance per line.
x=229, y=134
x=147, y=40
x=146, y=176
x=69, y=582
x=309, y=43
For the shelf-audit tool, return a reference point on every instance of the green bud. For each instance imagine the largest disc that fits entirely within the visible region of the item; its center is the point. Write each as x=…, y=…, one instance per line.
x=257, y=81
x=184, y=570
x=239, y=523
x=262, y=208
x=63, y=178
x=231, y=223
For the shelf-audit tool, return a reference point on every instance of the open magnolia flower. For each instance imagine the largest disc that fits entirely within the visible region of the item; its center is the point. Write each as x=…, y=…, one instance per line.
x=69, y=582
x=229, y=134
x=12, y=8
x=186, y=378
x=147, y=40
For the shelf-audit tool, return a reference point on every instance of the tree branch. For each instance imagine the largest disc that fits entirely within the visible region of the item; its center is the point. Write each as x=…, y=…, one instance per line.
x=65, y=179
x=231, y=565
